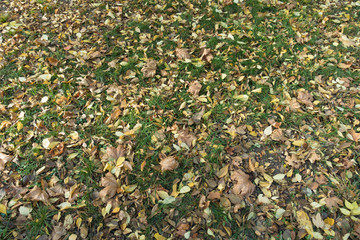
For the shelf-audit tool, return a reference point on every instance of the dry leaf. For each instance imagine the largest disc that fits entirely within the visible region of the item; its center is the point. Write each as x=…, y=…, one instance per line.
x=294, y=105
x=292, y=160
x=113, y=154
x=344, y=65
x=318, y=221
x=354, y=135
x=168, y=163
x=58, y=232
x=306, y=98
x=52, y=61
x=346, y=41
x=37, y=194
x=333, y=202
x=110, y=184
x=149, y=69
x=4, y=158
x=304, y=221
x=197, y=116
x=313, y=156
x=206, y=55
x=194, y=88
x=186, y=137
x=277, y=135
x=243, y=187
x=182, y=53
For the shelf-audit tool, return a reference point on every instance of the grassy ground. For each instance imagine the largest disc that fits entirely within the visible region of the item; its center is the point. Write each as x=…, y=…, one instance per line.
x=179, y=119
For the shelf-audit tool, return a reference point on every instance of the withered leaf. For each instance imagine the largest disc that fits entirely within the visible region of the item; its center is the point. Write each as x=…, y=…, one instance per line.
x=58, y=232
x=292, y=160
x=112, y=153
x=186, y=137
x=333, y=202
x=194, y=88
x=149, y=69
x=111, y=185
x=4, y=158
x=242, y=187
x=277, y=135
x=305, y=97
x=206, y=55
x=53, y=61
x=37, y=194
x=168, y=163
x=182, y=53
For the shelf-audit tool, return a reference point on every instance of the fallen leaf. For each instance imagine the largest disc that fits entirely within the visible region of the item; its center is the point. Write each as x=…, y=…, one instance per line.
x=206, y=54
x=37, y=194
x=194, y=88
x=292, y=160
x=4, y=158
x=149, y=69
x=243, y=187
x=58, y=232
x=186, y=137
x=110, y=184
x=305, y=97
x=52, y=61
x=2, y=208
x=182, y=53
x=197, y=116
x=168, y=163
x=113, y=154
x=344, y=65
x=355, y=135
x=318, y=221
x=304, y=221
x=277, y=135
x=333, y=202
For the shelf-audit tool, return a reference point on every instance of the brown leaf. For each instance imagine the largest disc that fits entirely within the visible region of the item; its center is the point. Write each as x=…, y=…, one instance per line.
x=186, y=137
x=277, y=135
x=112, y=154
x=313, y=157
x=197, y=116
x=182, y=53
x=344, y=65
x=294, y=105
x=206, y=55
x=354, y=135
x=149, y=69
x=306, y=98
x=243, y=187
x=292, y=160
x=168, y=163
x=214, y=195
x=52, y=61
x=333, y=202
x=110, y=184
x=58, y=232
x=4, y=158
x=194, y=88
x=37, y=194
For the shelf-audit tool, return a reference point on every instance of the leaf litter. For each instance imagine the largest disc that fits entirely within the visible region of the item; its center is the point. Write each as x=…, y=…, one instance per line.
x=157, y=119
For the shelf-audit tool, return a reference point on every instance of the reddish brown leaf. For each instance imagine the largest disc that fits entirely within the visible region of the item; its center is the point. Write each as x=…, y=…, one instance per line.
x=52, y=61
x=112, y=154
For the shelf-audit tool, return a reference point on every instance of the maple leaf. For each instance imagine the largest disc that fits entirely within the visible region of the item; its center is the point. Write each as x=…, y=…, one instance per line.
x=243, y=187
x=182, y=53
x=168, y=163
x=333, y=202
x=292, y=160
x=306, y=98
x=4, y=158
x=113, y=154
x=194, y=88
x=186, y=137
x=149, y=69
x=277, y=135
x=111, y=185
x=37, y=194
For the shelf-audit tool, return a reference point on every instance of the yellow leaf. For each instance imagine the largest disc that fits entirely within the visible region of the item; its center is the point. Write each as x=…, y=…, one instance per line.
x=19, y=126
x=355, y=211
x=120, y=161
x=2, y=208
x=242, y=97
x=304, y=221
x=223, y=171
x=329, y=221
x=348, y=205
x=207, y=115
x=116, y=210
x=345, y=211
x=157, y=236
x=299, y=143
